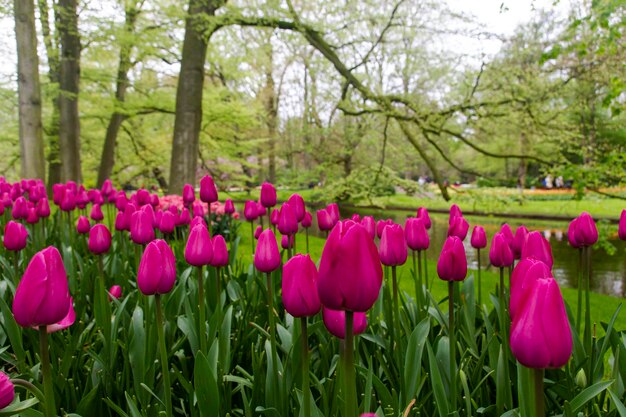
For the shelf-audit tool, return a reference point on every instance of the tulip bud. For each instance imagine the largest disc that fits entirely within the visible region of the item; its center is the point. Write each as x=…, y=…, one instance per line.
x=121, y=201
x=229, y=207
x=82, y=225
x=20, y=209
x=518, y=241
x=350, y=274
x=287, y=223
x=324, y=220
x=507, y=233
x=107, y=188
x=536, y=246
x=199, y=249
x=115, y=292
x=500, y=253
x=335, y=322
x=143, y=197
x=220, y=252
x=167, y=224
x=7, y=390
x=571, y=234
x=356, y=218
x=69, y=201
x=299, y=287
x=581, y=379
x=586, y=231
x=267, y=256
x=621, y=229
x=268, y=195
x=525, y=272
x=393, y=246
x=257, y=232
x=15, y=236
x=297, y=205
x=380, y=226
x=189, y=194
x=250, y=211
x=95, y=197
x=96, y=213
x=42, y=297
x=455, y=211
x=99, y=239
x=307, y=220
x=157, y=269
x=369, y=224
x=458, y=227
x=540, y=334
x=479, y=238
x=32, y=216
x=43, y=208
x=286, y=241
x=275, y=217
x=452, y=264
x=208, y=191
x=141, y=231
x=333, y=210
x=82, y=198
x=120, y=222
x=197, y=209
x=416, y=234
x=184, y=218
x=65, y=322
x=422, y=213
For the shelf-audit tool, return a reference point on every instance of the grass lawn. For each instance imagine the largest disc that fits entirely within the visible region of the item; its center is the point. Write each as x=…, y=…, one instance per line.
x=602, y=306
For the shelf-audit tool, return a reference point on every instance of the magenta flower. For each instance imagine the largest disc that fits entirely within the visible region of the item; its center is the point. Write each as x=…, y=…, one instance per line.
x=299, y=287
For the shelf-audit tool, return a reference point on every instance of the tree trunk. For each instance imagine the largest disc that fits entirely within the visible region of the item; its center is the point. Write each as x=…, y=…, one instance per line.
x=270, y=103
x=29, y=92
x=188, y=116
x=107, y=159
x=52, y=131
x=69, y=123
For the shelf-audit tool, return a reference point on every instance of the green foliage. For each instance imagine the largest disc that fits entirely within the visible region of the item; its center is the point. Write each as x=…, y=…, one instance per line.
x=365, y=183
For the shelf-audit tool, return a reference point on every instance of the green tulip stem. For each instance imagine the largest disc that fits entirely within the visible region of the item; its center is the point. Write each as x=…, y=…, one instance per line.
x=208, y=220
x=167, y=388
x=252, y=237
x=348, y=368
x=269, y=219
x=306, y=398
x=16, y=272
x=272, y=324
x=588, y=330
x=396, y=306
x=480, y=288
x=306, y=231
x=30, y=387
x=293, y=249
x=417, y=273
x=48, y=388
x=452, y=345
x=539, y=398
x=579, y=312
x=201, y=312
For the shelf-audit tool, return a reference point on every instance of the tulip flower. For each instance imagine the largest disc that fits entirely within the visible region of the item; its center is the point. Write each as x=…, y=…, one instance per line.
x=536, y=246
x=518, y=241
x=324, y=220
x=479, y=238
x=229, y=207
x=297, y=205
x=99, y=239
x=422, y=213
x=167, y=224
x=43, y=208
x=143, y=197
x=220, y=252
x=197, y=210
x=307, y=220
x=65, y=322
x=621, y=228
x=356, y=218
x=189, y=194
x=369, y=224
x=82, y=198
x=184, y=218
x=107, y=188
x=506, y=231
x=20, y=209
x=250, y=211
x=69, y=201
x=335, y=322
x=141, y=231
x=458, y=227
x=96, y=213
x=208, y=191
x=455, y=211
x=7, y=390
x=15, y=236
x=452, y=264
x=257, y=232
x=287, y=223
x=267, y=256
x=380, y=226
x=571, y=234
x=268, y=195
x=275, y=217
x=500, y=253
x=95, y=197
x=333, y=211
x=393, y=250
x=120, y=222
x=416, y=234
x=526, y=271
x=121, y=201
x=299, y=287
x=287, y=242
x=32, y=218
x=199, y=248
x=82, y=225
x=115, y=292
x=260, y=211
x=585, y=230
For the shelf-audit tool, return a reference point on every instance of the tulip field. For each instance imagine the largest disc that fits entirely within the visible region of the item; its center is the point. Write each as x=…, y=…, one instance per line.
x=143, y=305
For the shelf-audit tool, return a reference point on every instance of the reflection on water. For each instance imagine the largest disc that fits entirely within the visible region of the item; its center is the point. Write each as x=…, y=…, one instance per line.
x=609, y=272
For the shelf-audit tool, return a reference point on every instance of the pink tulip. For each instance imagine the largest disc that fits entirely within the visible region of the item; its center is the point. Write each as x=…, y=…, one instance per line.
x=99, y=239
x=452, y=264
x=536, y=246
x=120, y=222
x=392, y=249
x=15, y=236
x=199, y=248
x=299, y=287
x=42, y=297
x=167, y=223
x=621, y=228
x=7, y=390
x=297, y=205
x=197, y=209
x=184, y=218
x=416, y=234
x=333, y=210
x=585, y=230
x=518, y=241
x=197, y=221
x=32, y=216
x=356, y=218
x=143, y=197
x=220, y=252
x=250, y=211
x=107, y=188
x=229, y=207
x=380, y=226
x=189, y=194
x=141, y=231
x=268, y=195
x=506, y=231
x=455, y=211
x=157, y=269
x=500, y=253
x=121, y=201
x=458, y=227
x=286, y=241
x=43, y=208
x=20, y=209
x=335, y=322
x=275, y=217
x=115, y=292
x=422, y=213
x=324, y=220
x=287, y=223
x=96, y=213
x=369, y=224
x=350, y=274
x=95, y=197
x=525, y=272
x=307, y=220
x=257, y=232
x=65, y=322
x=540, y=334
x=479, y=238
x=267, y=256
x=208, y=191
x=69, y=201
x=571, y=234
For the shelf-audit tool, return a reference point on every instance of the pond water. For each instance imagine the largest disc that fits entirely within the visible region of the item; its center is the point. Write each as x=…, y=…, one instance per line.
x=609, y=271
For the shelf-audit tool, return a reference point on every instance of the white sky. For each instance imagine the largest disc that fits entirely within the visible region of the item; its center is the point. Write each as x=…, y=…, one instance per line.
x=498, y=16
